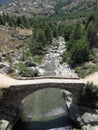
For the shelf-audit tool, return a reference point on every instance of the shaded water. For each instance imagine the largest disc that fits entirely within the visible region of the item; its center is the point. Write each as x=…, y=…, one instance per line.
x=42, y=125
x=45, y=109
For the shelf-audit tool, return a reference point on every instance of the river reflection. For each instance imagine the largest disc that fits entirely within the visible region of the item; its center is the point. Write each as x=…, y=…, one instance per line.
x=44, y=109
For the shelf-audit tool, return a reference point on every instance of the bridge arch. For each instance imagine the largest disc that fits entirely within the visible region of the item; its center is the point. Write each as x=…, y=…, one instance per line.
x=14, y=94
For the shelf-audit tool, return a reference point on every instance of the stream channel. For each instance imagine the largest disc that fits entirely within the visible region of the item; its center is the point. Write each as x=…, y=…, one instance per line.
x=46, y=109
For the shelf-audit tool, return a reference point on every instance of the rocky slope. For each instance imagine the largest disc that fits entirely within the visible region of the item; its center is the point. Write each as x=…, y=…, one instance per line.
x=46, y=7
x=78, y=5
x=13, y=45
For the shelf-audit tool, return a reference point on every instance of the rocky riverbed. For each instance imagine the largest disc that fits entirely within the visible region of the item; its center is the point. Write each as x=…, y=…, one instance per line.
x=51, y=64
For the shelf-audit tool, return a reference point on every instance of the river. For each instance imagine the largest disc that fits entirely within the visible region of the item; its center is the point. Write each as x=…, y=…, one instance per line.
x=46, y=109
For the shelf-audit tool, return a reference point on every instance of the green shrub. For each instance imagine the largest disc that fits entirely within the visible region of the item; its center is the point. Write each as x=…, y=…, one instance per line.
x=89, y=95
x=85, y=69
x=77, y=32
x=26, y=55
x=9, y=58
x=27, y=72
x=78, y=53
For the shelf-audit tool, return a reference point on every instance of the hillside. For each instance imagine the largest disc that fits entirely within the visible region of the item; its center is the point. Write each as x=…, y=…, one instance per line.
x=18, y=44
x=45, y=7
x=5, y=1
x=73, y=5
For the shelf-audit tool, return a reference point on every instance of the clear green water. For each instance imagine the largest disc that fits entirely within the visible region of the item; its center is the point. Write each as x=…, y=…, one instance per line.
x=43, y=105
x=43, y=110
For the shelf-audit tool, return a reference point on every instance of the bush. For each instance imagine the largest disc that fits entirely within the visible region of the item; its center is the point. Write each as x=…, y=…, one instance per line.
x=9, y=58
x=26, y=55
x=85, y=69
x=77, y=32
x=89, y=95
x=78, y=53
x=29, y=73
x=24, y=71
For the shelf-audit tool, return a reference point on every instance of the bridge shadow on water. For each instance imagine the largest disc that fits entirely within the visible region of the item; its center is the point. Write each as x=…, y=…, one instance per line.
x=42, y=125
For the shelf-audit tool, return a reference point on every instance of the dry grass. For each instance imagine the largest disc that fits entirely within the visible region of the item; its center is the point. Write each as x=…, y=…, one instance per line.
x=8, y=43
x=92, y=78
x=24, y=31
x=75, y=3
x=4, y=34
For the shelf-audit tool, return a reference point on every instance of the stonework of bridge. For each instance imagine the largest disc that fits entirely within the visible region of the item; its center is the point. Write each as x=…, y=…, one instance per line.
x=19, y=89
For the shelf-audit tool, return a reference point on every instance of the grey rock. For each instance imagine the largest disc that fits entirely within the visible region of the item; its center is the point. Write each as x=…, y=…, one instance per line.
x=73, y=108
x=5, y=68
x=79, y=114
x=89, y=127
x=3, y=124
x=90, y=118
x=41, y=71
x=75, y=114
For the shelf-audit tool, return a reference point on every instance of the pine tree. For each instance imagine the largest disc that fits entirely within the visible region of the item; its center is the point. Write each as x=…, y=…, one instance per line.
x=48, y=34
x=77, y=33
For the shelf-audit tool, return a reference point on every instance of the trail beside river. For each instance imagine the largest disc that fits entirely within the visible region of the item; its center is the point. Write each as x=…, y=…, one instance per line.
x=6, y=81
x=92, y=78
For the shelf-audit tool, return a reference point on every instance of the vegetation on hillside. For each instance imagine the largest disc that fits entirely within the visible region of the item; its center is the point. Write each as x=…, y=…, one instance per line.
x=25, y=71
x=81, y=36
x=78, y=48
x=89, y=95
x=13, y=21
x=80, y=45
x=43, y=33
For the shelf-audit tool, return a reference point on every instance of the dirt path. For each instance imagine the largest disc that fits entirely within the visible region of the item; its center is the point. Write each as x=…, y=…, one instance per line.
x=92, y=78
x=6, y=81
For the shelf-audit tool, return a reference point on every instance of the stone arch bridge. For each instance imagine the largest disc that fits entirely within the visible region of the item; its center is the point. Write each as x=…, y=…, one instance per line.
x=16, y=90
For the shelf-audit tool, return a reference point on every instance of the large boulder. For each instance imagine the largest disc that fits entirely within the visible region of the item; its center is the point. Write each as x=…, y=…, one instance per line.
x=89, y=127
x=5, y=68
x=73, y=109
x=3, y=124
x=81, y=115
x=90, y=116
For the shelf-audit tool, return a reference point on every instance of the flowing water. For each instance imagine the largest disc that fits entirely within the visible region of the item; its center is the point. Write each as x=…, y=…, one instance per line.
x=46, y=109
